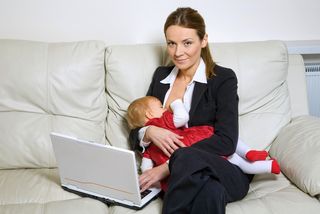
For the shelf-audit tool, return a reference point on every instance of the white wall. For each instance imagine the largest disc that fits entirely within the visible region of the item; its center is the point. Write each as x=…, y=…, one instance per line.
x=141, y=21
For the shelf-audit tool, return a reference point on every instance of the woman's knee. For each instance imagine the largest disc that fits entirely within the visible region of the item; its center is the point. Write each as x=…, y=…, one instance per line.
x=185, y=155
x=181, y=153
x=182, y=158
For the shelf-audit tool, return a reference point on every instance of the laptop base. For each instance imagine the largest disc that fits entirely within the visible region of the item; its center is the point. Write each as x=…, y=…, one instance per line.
x=106, y=201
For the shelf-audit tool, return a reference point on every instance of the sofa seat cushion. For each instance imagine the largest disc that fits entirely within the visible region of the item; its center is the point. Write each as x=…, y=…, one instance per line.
x=79, y=206
x=154, y=207
x=20, y=186
x=33, y=191
x=274, y=194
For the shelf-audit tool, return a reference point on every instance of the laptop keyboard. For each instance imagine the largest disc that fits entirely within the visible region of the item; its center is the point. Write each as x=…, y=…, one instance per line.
x=145, y=193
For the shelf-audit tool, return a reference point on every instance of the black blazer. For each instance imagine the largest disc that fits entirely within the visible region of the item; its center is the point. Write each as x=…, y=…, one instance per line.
x=214, y=103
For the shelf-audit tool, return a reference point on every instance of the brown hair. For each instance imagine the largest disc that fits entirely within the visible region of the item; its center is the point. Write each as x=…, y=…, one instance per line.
x=190, y=18
x=136, y=112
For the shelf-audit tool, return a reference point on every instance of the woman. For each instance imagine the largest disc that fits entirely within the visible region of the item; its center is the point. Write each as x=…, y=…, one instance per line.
x=201, y=179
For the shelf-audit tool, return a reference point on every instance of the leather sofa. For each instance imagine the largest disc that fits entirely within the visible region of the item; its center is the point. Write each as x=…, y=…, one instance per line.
x=83, y=89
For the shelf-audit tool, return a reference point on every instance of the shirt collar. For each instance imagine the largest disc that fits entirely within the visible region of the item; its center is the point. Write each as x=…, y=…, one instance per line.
x=199, y=76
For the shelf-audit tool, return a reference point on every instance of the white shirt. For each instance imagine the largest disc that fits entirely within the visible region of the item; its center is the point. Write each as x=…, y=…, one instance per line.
x=199, y=76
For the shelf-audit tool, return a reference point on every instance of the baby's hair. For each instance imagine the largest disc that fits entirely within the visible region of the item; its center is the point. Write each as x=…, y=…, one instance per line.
x=137, y=111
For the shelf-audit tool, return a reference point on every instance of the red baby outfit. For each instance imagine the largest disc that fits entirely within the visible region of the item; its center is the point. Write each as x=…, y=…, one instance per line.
x=190, y=136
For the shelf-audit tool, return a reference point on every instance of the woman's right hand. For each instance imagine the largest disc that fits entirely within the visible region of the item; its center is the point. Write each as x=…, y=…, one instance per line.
x=164, y=139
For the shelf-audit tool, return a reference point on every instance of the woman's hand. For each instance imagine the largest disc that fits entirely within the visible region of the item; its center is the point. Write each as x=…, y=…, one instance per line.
x=151, y=177
x=164, y=139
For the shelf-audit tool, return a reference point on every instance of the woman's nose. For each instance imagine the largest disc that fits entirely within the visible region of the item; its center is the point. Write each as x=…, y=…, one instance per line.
x=179, y=50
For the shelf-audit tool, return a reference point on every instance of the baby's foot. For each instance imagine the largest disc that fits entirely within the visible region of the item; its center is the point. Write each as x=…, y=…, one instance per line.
x=275, y=168
x=255, y=155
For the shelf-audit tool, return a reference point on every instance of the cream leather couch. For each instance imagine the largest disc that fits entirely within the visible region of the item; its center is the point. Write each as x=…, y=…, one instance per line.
x=83, y=89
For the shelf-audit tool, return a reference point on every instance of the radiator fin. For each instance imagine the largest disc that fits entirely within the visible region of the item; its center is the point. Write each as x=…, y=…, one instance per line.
x=313, y=87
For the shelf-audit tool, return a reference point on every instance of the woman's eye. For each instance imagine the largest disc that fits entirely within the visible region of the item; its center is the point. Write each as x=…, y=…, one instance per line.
x=170, y=44
x=187, y=43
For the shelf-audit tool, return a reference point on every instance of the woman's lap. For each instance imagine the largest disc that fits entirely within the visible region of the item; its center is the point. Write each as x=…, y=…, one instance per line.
x=194, y=172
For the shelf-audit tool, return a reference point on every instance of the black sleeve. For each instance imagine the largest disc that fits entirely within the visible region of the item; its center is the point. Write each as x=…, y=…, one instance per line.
x=225, y=138
x=133, y=139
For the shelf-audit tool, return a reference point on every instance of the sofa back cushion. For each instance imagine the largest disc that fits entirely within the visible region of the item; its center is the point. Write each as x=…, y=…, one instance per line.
x=129, y=70
x=45, y=87
x=261, y=68
x=264, y=104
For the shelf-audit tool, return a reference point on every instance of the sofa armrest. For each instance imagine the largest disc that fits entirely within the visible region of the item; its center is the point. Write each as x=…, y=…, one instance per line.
x=297, y=148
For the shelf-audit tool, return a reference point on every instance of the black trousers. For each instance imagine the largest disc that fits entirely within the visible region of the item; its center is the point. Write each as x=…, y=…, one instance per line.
x=201, y=182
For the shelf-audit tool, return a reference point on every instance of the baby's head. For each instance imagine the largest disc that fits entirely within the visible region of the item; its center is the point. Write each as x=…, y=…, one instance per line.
x=143, y=109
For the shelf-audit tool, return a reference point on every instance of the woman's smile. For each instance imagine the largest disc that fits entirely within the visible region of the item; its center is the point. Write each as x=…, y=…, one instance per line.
x=181, y=61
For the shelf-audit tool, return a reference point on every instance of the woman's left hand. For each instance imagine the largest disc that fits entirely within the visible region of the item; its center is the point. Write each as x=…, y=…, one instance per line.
x=151, y=177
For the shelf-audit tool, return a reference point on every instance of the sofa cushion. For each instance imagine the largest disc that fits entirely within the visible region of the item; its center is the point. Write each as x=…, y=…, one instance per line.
x=78, y=206
x=298, y=95
x=21, y=186
x=33, y=191
x=129, y=70
x=264, y=105
x=271, y=193
x=154, y=207
x=297, y=150
x=48, y=87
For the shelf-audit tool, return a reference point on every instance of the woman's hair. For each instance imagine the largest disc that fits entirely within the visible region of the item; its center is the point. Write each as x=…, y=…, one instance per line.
x=190, y=18
x=136, y=112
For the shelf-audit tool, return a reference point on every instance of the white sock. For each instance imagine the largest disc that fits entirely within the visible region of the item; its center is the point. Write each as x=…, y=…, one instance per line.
x=242, y=148
x=256, y=167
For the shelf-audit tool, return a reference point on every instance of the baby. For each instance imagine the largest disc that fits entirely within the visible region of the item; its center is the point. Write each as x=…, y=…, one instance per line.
x=148, y=110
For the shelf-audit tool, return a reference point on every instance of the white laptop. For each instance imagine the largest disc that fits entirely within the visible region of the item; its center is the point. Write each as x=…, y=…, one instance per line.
x=103, y=172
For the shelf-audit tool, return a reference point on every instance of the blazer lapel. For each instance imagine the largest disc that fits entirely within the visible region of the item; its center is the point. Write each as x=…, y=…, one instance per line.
x=198, y=90
x=162, y=90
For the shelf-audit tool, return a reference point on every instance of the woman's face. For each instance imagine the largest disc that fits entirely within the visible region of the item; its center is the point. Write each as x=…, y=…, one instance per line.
x=184, y=47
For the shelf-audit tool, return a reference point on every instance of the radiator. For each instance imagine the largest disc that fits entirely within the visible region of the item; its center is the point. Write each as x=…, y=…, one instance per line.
x=313, y=87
